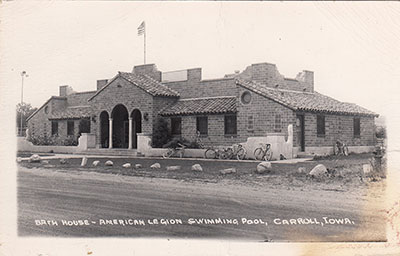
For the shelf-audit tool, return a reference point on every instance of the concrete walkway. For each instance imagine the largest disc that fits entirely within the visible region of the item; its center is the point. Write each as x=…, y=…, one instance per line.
x=59, y=156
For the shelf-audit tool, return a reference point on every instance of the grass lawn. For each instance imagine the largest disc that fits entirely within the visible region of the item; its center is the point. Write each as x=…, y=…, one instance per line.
x=347, y=170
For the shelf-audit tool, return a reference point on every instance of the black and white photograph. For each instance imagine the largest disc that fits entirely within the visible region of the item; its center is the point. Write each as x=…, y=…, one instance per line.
x=222, y=128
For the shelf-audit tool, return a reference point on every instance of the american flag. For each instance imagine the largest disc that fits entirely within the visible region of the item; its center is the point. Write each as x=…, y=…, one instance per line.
x=141, y=29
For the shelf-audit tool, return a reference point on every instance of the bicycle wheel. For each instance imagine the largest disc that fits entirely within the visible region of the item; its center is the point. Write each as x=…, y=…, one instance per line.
x=345, y=150
x=259, y=153
x=168, y=154
x=335, y=149
x=223, y=155
x=268, y=155
x=210, y=154
x=241, y=154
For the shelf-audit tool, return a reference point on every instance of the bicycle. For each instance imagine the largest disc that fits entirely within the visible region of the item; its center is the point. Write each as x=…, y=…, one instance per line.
x=264, y=152
x=340, y=148
x=236, y=151
x=175, y=151
x=214, y=153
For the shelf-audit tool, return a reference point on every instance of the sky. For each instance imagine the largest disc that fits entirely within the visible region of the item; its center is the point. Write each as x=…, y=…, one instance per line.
x=353, y=48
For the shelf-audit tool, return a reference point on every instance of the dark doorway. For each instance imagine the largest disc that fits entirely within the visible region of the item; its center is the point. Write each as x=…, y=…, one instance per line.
x=104, y=129
x=300, y=132
x=136, y=126
x=120, y=120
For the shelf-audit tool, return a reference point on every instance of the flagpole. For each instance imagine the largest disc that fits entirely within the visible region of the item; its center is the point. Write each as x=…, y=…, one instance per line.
x=144, y=44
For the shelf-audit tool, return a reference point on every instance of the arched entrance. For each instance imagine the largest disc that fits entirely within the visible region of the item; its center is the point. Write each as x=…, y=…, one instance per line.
x=120, y=127
x=104, y=129
x=136, y=126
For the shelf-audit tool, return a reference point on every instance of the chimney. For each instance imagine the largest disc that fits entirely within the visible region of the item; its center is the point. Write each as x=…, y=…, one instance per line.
x=65, y=90
x=101, y=83
x=194, y=74
x=307, y=78
x=148, y=69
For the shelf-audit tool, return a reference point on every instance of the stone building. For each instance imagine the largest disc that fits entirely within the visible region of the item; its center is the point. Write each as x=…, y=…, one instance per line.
x=253, y=103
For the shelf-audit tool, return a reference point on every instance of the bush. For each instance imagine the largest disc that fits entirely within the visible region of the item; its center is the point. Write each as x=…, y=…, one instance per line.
x=53, y=140
x=160, y=133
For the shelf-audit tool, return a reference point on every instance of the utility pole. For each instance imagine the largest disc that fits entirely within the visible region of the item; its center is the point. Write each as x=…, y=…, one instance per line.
x=23, y=74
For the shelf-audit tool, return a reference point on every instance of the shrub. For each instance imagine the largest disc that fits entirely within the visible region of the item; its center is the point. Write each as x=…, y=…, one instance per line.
x=160, y=133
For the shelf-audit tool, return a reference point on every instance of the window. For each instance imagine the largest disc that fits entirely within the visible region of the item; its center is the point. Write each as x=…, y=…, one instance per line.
x=250, y=123
x=278, y=123
x=46, y=109
x=176, y=126
x=54, y=128
x=202, y=125
x=246, y=97
x=230, y=125
x=356, y=127
x=70, y=127
x=84, y=126
x=321, y=125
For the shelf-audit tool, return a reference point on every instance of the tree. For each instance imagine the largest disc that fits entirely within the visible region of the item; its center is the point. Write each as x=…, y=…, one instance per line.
x=24, y=109
x=160, y=133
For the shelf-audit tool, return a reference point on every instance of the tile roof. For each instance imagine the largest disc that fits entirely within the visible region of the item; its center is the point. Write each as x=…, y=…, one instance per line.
x=144, y=82
x=305, y=101
x=211, y=105
x=75, y=112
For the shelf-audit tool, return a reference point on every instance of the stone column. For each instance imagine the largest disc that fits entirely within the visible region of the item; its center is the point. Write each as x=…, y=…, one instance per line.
x=110, y=133
x=130, y=133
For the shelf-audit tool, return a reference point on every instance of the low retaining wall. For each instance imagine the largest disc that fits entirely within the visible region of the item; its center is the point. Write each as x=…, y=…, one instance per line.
x=329, y=150
x=24, y=145
x=189, y=152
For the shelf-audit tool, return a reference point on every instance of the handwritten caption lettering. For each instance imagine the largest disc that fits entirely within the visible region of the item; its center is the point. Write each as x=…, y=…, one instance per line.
x=197, y=221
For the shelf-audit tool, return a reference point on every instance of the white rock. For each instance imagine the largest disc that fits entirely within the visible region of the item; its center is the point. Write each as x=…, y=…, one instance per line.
x=109, y=163
x=127, y=165
x=138, y=166
x=301, y=170
x=96, y=163
x=264, y=167
x=367, y=168
x=155, y=166
x=84, y=161
x=319, y=171
x=197, y=168
x=34, y=158
x=63, y=161
x=227, y=171
x=173, y=168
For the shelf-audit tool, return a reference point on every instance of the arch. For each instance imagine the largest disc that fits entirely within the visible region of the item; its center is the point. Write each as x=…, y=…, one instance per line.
x=136, y=116
x=104, y=129
x=120, y=126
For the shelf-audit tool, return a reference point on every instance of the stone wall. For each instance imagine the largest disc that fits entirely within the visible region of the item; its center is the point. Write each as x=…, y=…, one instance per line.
x=339, y=127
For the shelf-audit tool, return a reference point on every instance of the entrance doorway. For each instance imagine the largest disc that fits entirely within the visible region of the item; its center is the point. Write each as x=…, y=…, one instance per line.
x=300, y=132
x=104, y=129
x=136, y=126
x=120, y=125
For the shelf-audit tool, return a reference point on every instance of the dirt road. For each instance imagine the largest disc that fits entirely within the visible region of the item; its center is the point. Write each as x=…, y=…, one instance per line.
x=89, y=204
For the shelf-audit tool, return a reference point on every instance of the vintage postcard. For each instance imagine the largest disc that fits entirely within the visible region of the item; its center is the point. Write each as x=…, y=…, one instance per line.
x=223, y=128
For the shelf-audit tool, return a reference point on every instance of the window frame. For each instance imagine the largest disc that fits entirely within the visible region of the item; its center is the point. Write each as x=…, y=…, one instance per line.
x=198, y=121
x=81, y=124
x=226, y=129
x=250, y=123
x=175, y=120
x=278, y=122
x=355, y=124
x=54, y=128
x=69, y=133
x=321, y=131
